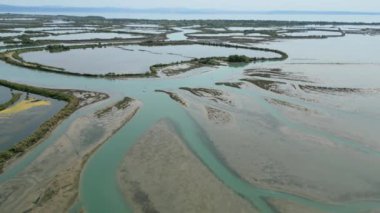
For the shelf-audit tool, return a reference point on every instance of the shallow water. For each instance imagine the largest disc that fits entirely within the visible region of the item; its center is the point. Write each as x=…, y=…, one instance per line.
x=351, y=49
x=5, y=94
x=16, y=127
x=130, y=58
x=143, y=25
x=87, y=36
x=240, y=28
x=140, y=30
x=315, y=59
x=9, y=34
x=179, y=36
x=217, y=34
x=312, y=33
x=53, y=28
x=65, y=31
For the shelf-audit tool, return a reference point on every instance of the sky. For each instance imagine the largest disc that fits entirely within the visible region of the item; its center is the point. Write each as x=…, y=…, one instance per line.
x=250, y=5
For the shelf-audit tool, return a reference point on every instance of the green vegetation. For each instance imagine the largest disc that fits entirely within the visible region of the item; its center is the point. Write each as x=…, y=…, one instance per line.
x=208, y=61
x=57, y=48
x=25, y=40
x=13, y=57
x=14, y=99
x=230, y=84
x=47, y=126
x=123, y=104
x=238, y=59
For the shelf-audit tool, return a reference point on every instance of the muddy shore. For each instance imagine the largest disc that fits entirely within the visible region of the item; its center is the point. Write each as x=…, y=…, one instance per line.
x=181, y=182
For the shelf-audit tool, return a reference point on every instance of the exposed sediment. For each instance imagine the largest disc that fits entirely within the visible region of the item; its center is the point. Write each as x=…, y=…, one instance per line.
x=336, y=90
x=173, y=96
x=285, y=206
x=75, y=100
x=218, y=116
x=181, y=182
x=211, y=94
x=50, y=182
x=276, y=73
x=269, y=85
x=230, y=84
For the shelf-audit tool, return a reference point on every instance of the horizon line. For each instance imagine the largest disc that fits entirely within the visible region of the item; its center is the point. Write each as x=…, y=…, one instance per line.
x=187, y=10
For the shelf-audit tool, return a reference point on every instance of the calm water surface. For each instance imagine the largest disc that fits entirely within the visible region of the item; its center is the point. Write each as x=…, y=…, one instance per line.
x=130, y=58
x=87, y=36
x=5, y=94
x=16, y=127
x=332, y=62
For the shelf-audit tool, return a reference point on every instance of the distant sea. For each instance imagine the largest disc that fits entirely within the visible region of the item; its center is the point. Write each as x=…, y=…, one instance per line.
x=187, y=16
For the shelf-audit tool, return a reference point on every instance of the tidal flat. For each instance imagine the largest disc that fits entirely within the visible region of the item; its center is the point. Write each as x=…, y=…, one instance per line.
x=181, y=182
x=295, y=130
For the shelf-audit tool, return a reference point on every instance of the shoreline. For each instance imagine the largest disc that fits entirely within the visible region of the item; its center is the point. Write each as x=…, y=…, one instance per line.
x=57, y=170
x=13, y=57
x=23, y=146
x=162, y=153
x=15, y=97
x=82, y=162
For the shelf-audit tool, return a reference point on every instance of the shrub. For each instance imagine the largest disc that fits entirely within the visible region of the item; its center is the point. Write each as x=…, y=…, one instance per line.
x=238, y=59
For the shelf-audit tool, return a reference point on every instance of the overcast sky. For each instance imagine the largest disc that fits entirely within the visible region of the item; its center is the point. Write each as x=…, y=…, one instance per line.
x=341, y=5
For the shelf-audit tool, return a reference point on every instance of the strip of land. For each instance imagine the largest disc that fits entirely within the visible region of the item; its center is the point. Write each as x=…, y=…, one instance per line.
x=14, y=57
x=73, y=103
x=51, y=182
x=14, y=99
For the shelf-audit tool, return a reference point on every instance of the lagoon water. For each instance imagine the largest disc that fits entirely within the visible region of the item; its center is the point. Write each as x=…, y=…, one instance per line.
x=131, y=58
x=253, y=16
x=313, y=33
x=9, y=34
x=5, y=94
x=16, y=127
x=181, y=35
x=87, y=36
x=341, y=160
